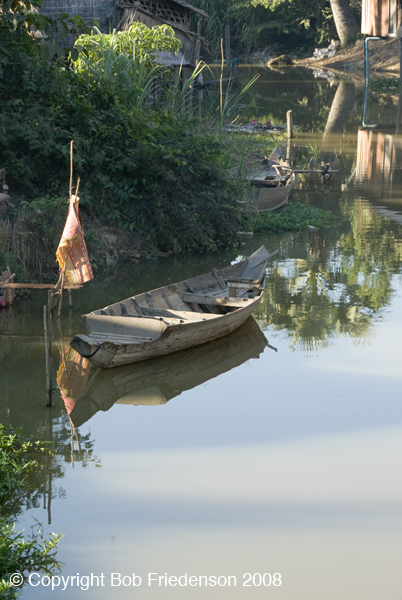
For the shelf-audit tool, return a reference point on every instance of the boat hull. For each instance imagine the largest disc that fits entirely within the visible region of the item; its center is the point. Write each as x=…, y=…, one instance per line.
x=271, y=198
x=180, y=337
x=175, y=317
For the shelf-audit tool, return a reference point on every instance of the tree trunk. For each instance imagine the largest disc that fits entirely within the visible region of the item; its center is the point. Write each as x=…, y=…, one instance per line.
x=345, y=21
x=342, y=104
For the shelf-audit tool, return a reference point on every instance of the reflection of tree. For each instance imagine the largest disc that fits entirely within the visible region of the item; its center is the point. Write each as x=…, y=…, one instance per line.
x=341, y=107
x=336, y=289
x=372, y=254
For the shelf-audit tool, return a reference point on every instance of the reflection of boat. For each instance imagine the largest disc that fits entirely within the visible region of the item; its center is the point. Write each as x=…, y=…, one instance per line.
x=273, y=181
x=158, y=380
x=175, y=317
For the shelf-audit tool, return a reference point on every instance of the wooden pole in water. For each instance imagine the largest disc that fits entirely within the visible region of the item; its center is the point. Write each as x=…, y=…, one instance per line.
x=49, y=347
x=289, y=119
x=228, y=57
x=48, y=396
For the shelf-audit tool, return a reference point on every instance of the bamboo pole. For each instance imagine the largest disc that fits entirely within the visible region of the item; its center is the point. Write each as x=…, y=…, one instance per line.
x=61, y=291
x=71, y=169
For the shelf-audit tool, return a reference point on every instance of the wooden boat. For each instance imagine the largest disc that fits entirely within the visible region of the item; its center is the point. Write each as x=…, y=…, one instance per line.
x=273, y=181
x=174, y=317
x=158, y=380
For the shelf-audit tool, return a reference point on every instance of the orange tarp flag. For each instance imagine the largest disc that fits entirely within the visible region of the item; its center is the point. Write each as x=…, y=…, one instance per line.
x=72, y=254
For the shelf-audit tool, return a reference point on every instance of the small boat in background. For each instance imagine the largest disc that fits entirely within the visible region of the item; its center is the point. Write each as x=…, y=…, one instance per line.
x=273, y=180
x=174, y=317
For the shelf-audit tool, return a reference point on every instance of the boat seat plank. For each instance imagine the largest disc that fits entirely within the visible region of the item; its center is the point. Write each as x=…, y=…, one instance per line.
x=150, y=301
x=189, y=287
x=137, y=306
x=167, y=301
x=243, y=284
x=221, y=293
x=219, y=279
x=213, y=300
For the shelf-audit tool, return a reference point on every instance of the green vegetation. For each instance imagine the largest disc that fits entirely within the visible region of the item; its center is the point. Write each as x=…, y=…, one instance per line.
x=291, y=217
x=255, y=24
x=19, y=459
x=389, y=85
x=150, y=166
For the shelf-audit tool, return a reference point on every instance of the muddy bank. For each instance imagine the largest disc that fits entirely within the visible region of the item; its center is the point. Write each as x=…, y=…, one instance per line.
x=383, y=58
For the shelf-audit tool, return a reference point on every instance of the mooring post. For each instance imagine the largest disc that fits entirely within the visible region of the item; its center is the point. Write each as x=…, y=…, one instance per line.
x=288, y=152
x=289, y=119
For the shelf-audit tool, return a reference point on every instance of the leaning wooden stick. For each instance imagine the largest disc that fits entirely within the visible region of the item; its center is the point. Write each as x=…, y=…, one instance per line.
x=71, y=167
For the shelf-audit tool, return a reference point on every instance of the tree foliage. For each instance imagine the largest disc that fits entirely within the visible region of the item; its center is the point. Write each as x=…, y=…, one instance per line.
x=146, y=164
x=255, y=24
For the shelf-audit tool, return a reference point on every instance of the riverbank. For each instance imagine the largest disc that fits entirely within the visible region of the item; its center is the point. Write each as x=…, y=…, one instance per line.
x=383, y=55
x=383, y=58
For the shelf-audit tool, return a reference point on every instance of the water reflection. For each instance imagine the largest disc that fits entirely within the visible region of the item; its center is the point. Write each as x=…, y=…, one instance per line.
x=154, y=382
x=379, y=167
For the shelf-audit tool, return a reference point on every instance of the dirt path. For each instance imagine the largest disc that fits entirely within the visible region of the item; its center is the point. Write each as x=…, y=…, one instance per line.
x=383, y=59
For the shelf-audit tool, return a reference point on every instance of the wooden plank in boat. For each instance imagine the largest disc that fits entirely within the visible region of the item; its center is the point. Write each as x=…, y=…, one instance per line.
x=213, y=300
x=137, y=306
x=247, y=285
x=219, y=279
x=151, y=303
x=166, y=299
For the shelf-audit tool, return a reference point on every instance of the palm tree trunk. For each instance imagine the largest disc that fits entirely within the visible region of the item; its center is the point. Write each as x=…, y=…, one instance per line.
x=345, y=21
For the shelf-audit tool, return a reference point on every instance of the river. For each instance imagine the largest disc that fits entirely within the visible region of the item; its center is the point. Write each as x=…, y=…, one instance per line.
x=255, y=469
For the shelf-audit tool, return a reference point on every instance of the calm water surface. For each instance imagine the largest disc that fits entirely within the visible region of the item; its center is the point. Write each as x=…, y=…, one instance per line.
x=242, y=457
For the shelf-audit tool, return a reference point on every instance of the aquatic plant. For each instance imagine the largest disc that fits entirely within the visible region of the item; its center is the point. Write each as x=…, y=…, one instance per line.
x=291, y=217
x=388, y=85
